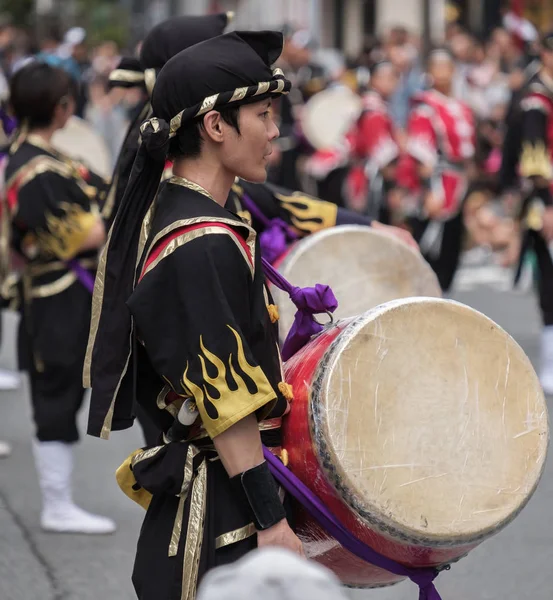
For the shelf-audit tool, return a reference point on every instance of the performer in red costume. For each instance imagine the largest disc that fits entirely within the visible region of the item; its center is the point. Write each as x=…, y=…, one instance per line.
x=370, y=148
x=441, y=139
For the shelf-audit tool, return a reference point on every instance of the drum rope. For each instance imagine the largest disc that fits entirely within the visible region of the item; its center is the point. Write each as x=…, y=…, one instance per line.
x=309, y=301
x=422, y=577
x=276, y=235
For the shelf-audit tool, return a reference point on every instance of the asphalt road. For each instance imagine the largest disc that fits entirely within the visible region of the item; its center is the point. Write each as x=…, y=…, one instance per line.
x=38, y=566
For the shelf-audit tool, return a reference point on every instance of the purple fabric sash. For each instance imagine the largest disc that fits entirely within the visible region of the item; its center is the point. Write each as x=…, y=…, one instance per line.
x=277, y=234
x=309, y=301
x=423, y=577
x=82, y=274
x=9, y=124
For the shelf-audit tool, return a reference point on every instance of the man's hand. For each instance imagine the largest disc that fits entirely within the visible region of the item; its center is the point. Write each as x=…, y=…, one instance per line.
x=280, y=535
x=396, y=232
x=548, y=224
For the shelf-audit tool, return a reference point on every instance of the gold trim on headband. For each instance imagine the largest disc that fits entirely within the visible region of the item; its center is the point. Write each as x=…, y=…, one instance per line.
x=239, y=94
x=262, y=88
x=126, y=76
x=207, y=105
x=150, y=77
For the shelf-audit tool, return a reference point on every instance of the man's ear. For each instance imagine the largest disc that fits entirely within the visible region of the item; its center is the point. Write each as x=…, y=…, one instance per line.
x=213, y=126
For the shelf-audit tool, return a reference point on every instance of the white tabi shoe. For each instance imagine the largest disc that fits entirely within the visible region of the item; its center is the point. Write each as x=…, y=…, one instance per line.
x=69, y=518
x=9, y=380
x=5, y=449
x=54, y=461
x=546, y=375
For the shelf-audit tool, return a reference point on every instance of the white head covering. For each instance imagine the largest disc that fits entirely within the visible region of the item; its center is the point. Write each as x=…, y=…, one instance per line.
x=73, y=37
x=271, y=574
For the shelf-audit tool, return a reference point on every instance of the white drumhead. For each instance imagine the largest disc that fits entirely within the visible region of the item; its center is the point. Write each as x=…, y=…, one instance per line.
x=79, y=141
x=433, y=419
x=364, y=268
x=328, y=116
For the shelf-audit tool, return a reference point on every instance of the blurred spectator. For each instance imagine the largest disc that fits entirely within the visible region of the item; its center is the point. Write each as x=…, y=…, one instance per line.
x=105, y=58
x=508, y=52
x=20, y=51
x=7, y=34
x=405, y=59
x=53, y=52
x=107, y=117
x=271, y=574
x=462, y=46
x=74, y=46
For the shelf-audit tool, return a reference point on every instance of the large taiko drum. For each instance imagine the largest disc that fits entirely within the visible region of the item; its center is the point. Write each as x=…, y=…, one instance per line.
x=364, y=268
x=422, y=425
x=327, y=116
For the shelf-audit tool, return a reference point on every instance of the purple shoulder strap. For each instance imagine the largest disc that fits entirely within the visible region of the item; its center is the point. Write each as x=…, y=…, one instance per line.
x=422, y=577
x=277, y=234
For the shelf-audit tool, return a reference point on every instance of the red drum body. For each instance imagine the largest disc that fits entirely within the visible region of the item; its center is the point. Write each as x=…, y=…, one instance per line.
x=364, y=268
x=422, y=426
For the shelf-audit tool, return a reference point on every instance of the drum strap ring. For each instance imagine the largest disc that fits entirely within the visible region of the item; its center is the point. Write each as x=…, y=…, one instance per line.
x=330, y=321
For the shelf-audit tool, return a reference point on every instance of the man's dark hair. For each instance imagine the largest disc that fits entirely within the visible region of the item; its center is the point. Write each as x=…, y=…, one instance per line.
x=36, y=90
x=52, y=33
x=188, y=141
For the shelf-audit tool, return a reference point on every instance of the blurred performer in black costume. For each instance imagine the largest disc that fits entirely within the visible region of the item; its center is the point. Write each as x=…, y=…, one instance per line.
x=201, y=336
x=306, y=79
x=162, y=43
x=300, y=213
x=536, y=168
x=55, y=229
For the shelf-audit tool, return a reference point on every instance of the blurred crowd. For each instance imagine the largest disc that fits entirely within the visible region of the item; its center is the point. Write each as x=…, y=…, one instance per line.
x=108, y=113
x=488, y=72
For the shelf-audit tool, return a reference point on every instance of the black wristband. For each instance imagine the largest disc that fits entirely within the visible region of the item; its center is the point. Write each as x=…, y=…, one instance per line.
x=260, y=492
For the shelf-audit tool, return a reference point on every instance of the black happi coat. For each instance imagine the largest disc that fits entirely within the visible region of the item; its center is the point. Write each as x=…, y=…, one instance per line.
x=52, y=203
x=204, y=325
x=211, y=323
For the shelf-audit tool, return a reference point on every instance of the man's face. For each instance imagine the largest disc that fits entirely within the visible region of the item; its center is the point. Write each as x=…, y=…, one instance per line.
x=441, y=71
x=385, y=80
x=246, y=154
x=461, y=46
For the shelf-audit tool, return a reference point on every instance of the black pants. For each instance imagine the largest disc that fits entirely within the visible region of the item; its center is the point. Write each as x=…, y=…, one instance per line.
x=52, y=340
x=545, y=278
x=446, y=263
x=57, y=395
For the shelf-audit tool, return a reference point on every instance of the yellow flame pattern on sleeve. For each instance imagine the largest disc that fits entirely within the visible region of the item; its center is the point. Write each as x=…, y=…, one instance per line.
x=536, y=161
x=307, y=214
x=231, y=405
